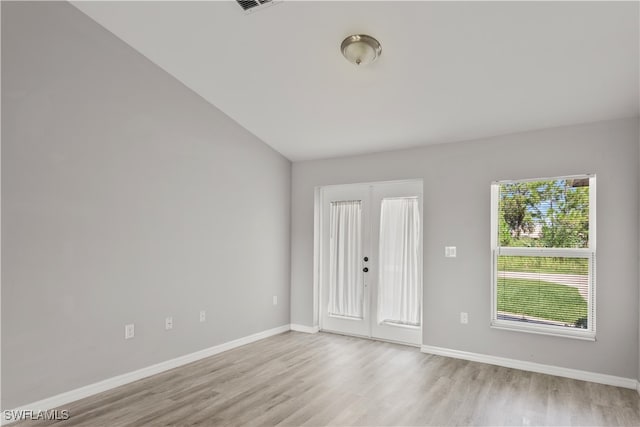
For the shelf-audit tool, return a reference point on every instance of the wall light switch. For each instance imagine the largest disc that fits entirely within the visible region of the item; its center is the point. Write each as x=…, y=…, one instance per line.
x=168, y=323
x=203, y=315
x=275, y=300
x=129, y=331
x=450, y=251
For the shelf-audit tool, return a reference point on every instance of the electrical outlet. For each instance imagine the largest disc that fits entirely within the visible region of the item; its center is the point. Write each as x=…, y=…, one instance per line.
x=203, y=315
x=464, y=317
x=275, y=300
x=168, y=323
x=129, y=331
x=450, y=251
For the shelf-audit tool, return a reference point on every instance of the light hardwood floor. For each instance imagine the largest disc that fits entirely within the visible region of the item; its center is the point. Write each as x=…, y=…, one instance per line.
x=322, y=379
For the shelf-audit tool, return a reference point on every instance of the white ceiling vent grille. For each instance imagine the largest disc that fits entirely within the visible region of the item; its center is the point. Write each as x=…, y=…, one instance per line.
x=253, y=5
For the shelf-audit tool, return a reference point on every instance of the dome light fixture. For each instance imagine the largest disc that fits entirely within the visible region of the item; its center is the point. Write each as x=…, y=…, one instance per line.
x=361, y=49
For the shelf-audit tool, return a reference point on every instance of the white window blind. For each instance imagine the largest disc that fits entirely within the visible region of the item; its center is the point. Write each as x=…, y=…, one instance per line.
x=543, y=249
x=399, y=272
x=345, y=252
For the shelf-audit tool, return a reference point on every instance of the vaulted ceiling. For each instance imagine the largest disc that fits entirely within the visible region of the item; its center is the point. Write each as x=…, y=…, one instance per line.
x=449, y=71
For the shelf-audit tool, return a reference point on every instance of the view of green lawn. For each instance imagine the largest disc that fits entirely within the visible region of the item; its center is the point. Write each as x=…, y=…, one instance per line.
x=544, y=264
x=536, y=298
x=546, y=215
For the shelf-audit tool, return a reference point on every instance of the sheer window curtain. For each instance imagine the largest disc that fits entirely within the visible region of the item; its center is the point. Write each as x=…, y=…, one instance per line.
x=345, y=253
x=399, y=275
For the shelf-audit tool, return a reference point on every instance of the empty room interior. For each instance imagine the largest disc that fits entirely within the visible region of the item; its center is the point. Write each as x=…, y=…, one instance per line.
x=320, y=213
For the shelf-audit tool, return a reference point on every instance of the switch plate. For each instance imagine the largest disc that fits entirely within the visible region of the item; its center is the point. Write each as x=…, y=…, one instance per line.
x=464, y=317
x=450, y=251
x=168, y=323
x=203, y=315
x=129, y=331
x=275, y=300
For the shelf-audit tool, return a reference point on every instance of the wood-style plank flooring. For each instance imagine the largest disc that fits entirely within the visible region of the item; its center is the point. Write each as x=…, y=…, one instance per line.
x=296, y=379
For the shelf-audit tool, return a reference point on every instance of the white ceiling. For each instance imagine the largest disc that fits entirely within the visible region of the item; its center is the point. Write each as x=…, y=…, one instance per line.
x=449, y=71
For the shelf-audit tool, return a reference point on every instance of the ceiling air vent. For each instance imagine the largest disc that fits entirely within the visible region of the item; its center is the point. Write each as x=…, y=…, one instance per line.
x=252, y=5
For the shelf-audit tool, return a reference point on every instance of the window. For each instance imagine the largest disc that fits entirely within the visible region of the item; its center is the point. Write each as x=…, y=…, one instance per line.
x=399, y=279
x=544, y=254
x=345, y=251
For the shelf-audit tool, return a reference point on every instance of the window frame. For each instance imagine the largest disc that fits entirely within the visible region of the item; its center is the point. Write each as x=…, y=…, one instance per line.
x=589, y=253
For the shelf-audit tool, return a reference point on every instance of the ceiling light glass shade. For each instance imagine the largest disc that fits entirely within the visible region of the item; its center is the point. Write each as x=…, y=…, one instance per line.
x=361, y=49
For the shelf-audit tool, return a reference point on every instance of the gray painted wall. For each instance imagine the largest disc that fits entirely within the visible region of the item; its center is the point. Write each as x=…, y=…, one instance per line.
x=126, y=198
x=457, y=181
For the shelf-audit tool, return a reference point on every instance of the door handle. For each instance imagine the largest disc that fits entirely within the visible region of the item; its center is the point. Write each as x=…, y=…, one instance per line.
x=366, y=259
x=365, y=269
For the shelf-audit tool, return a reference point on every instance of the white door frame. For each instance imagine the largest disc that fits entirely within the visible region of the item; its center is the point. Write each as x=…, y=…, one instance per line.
x=318, y=242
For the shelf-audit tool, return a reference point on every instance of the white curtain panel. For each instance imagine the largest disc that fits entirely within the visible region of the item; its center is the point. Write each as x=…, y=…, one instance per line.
x=399, y=272
x=345, y=253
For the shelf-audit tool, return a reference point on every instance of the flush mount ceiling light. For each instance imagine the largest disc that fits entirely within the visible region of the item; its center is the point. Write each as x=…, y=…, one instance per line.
x=361, y=49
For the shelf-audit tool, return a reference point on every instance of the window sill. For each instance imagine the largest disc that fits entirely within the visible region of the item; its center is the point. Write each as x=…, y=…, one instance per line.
x=337, y=316
x=544, y=330
x=400, y=325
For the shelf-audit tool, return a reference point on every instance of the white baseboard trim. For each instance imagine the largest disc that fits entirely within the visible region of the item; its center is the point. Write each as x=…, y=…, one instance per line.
x=305, y=329
x=110, y=383
x=534, y=367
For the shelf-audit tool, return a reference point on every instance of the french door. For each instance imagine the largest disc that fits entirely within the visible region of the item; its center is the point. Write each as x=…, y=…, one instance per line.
x=371, y=260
